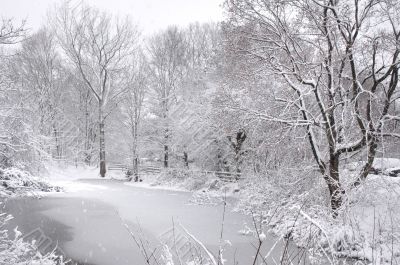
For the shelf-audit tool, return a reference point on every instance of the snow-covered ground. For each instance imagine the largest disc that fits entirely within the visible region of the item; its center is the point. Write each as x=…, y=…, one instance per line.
x=66, y=176
x=366, y=229
x=174, y=180
x=206, y=189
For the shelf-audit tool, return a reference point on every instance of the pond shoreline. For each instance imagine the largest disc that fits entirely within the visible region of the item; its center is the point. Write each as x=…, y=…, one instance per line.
x=88, y=224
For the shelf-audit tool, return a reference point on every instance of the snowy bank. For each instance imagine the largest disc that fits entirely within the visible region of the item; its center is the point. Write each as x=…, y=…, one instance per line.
x=17, y=182
x=13, y=249
x=367, y=228
x=67, y=176
x=207, y=188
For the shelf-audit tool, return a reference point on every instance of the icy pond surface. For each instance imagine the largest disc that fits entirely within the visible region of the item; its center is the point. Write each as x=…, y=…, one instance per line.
x=87, y=224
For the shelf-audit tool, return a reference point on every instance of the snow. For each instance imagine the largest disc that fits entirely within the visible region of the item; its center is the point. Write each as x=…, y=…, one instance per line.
x=67, y=176
x=17, y=182
x=15, y=250
x=151, y=182
x=386, y=163
x=204, y=186
x=375, y=214
x=17, y=233
x=166, y=256
x=262, y=237
x=366, y=228
x=80, y=212
x=383, y=164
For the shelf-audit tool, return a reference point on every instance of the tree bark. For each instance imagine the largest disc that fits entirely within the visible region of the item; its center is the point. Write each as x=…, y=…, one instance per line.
x=336, y=191
x=166, y=154
x=166, y=149
x=136, y=168
x=237, y=148
x=88, y=155
x=185, y=159
x=135, y=160
x=102, y=149
x=373, y=145
x=58, y=149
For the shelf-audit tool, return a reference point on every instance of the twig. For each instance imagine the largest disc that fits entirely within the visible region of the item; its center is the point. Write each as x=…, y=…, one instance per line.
x=209, y=254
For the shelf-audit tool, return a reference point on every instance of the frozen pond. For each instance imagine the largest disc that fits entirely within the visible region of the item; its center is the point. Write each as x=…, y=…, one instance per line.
x=87, y=224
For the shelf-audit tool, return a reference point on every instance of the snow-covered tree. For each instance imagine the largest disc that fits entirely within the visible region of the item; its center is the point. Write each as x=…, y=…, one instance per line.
x=10, y=33
x=98, y=46
x=167, y=53
x=132, y=105
x=335, y=65
x=42, y=77
x=16, y=141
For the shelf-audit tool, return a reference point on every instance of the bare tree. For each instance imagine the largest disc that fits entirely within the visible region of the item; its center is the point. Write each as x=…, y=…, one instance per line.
x=86, y=118
x=99, y=47
x=14, y=133
x=11, y=34
x=167, y=63
x=42, y=76
x=202, y=41
x=133, y=104
x=335, y=65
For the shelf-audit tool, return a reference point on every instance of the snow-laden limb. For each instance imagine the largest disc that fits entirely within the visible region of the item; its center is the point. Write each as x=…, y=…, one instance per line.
x=166, y=256
x=315, y=222
x=346, y=147
x=209, y=254
x=314, y=77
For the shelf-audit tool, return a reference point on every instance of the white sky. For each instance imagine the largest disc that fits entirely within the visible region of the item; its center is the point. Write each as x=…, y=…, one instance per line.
x=151, y=15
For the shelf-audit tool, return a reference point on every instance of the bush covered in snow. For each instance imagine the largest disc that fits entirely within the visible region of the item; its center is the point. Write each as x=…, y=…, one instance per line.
x=14, y=181
x=365, y=229
x=197, y=181
x=183, y=179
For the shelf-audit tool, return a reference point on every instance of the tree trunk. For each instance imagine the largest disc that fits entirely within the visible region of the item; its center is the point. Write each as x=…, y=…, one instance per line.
x=185, y=159
x=367, y=167
x=237, y=148
x=57, y=143
x=135, y=160
x=166, y=149
x=336, y=191
x=136, y=168
x=103, y=169
x=165, y=156
x=237, y=165
x=87, y=140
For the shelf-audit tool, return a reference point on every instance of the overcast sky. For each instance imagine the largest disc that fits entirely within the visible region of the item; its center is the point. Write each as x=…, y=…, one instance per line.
x=151, y=15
